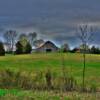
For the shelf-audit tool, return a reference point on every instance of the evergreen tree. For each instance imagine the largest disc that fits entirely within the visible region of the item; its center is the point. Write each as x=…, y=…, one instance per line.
x=19, y=48
x=2, y=50
x=23, y=49
x=28, y=48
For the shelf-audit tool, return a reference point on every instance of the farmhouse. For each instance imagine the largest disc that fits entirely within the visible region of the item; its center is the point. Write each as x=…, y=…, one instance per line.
x=47, y=47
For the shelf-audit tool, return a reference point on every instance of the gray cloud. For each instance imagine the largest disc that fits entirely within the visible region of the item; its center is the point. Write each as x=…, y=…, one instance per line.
x=52, y=19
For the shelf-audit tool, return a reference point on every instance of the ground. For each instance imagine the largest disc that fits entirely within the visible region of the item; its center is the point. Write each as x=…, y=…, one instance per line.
x=53, y=61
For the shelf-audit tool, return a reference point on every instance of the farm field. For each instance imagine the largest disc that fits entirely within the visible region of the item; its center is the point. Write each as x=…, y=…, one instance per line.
x=73, y=64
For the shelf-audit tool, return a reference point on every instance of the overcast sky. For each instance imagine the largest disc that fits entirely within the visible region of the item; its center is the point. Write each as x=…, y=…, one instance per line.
x=55, y=20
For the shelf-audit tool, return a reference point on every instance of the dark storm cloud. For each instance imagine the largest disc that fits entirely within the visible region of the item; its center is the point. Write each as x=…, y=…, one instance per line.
x=52, y=19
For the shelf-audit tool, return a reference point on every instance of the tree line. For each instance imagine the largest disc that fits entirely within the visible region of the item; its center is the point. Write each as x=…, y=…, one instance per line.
x=23, y=42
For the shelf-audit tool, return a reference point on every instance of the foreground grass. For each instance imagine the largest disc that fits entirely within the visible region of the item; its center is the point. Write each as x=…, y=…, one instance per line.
x=45, y=95
x=37, y=63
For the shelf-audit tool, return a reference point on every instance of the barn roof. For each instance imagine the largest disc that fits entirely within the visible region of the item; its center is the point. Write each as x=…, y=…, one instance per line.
x=47, y=42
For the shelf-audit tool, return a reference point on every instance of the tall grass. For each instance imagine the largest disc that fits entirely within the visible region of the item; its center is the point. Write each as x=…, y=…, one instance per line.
x=39, y=81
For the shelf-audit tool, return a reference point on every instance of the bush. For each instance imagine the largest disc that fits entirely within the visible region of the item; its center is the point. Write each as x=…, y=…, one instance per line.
x=2, y=50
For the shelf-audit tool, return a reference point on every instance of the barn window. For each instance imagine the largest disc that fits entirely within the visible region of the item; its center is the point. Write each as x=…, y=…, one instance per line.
x=48, y=50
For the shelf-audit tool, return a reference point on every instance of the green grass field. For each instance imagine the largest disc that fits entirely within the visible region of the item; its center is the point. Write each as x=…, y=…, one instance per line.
x=53, y=61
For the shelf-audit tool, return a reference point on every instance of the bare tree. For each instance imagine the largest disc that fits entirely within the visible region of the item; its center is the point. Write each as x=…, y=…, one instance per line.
x=32, y=37
x=85, y=35
x=65, y=47
x=37, y=43
x=10, y=38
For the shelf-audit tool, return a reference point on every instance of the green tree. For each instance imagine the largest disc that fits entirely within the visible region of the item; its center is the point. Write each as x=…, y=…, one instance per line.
x=23, y=41
x=23, y=46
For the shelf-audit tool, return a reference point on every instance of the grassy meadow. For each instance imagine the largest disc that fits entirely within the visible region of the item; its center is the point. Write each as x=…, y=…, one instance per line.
x=53, y=61
x=73, y=64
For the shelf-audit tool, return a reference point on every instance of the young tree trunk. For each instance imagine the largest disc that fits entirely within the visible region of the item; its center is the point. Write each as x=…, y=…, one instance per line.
x=84, y=66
